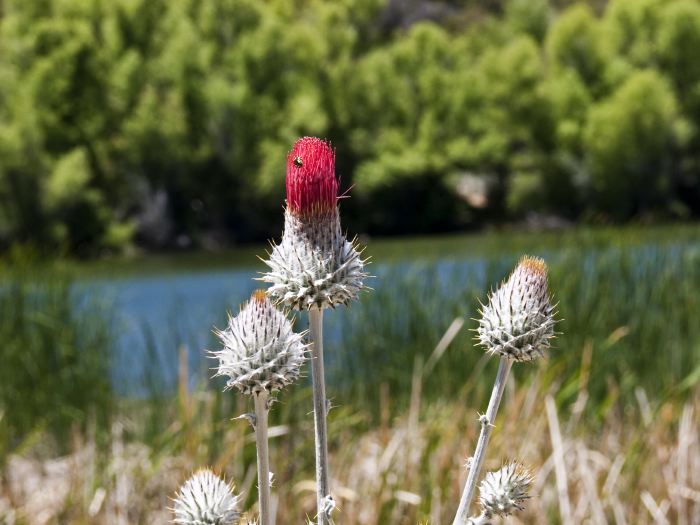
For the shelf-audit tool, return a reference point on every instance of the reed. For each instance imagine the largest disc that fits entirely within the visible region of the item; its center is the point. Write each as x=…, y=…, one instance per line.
x=57, y=343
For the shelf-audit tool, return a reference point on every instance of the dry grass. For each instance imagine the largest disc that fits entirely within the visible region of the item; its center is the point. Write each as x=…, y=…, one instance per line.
x=640, y=465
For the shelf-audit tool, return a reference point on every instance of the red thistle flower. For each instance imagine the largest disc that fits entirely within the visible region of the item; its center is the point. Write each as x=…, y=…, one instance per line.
x=314, y=265
x=312, y=188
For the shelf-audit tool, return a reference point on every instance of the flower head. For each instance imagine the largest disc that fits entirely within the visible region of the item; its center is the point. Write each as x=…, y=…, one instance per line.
x=504, y=491
x=261, y=350
x=312, y=187
x=314, y=265
x=518, y=321
x=205, y=499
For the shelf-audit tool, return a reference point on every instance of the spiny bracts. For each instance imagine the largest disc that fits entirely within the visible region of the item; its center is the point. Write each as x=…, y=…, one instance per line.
x=518, y=321
x=205, y=499
x=314, y=265
x=503, y=492
x=261, y=350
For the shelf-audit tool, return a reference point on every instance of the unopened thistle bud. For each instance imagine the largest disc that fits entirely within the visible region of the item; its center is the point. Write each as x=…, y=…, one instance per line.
x=261, y=350
x=518, y=321
x=503, y=492
x=205, y=499
x=314, y=265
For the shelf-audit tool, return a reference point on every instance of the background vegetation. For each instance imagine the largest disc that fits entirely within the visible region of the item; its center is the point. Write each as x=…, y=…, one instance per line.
x=624, y=375
x=162, y=123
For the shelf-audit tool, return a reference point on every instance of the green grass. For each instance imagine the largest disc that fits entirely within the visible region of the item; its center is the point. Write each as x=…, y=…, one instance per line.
x=55, y=373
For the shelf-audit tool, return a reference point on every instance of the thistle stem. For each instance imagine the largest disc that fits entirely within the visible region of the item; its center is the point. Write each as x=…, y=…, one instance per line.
x=320, y=412
x=261, y=411
x=487, y=420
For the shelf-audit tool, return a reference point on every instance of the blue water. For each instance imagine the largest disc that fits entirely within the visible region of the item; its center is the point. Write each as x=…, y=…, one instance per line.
x=157, y=316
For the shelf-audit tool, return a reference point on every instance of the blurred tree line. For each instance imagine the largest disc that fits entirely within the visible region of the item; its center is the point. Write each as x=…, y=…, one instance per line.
x=166, y=122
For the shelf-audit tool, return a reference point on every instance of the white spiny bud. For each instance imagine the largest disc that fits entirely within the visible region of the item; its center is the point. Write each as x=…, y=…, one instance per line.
x=314, y=265
x=504, y=491
x=261, y=350
x=205, y=499
x=518, y=321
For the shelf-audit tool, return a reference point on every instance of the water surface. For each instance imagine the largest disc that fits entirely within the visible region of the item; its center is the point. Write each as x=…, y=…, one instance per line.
x=165, y=304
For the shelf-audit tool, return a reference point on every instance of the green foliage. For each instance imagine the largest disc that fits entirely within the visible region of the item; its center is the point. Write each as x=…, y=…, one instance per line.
x=629, y=140
x=577, y=42
x=150, y=121
x=633, y=28
x=529, y=16
x=678, y=35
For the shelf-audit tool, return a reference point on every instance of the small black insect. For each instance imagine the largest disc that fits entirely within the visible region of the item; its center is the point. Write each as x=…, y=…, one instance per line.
x=297, y=162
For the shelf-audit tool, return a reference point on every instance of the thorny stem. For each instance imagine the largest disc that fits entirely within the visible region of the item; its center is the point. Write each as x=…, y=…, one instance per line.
x=487, y=420
x=320, y=413
x=261, y=411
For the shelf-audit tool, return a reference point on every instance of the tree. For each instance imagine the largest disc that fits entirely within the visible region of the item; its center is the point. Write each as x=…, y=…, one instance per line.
x=577, y=41
x=630, y=139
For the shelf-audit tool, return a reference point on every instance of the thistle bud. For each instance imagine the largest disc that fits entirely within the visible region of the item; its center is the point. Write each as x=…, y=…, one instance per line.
x=518, y=321
x=261, y=351
x=503, y=492
x=205, y=499
x=314, y=265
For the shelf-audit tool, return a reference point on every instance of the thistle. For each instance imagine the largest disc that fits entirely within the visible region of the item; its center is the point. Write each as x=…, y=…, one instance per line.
x=205, y=499
x=314, y=267
x=261, y=354
x=518, y=321
x=516, y=324
x=503, y=492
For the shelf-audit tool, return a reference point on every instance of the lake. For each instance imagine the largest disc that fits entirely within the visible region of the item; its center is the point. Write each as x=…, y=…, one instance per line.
x=164, y=303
